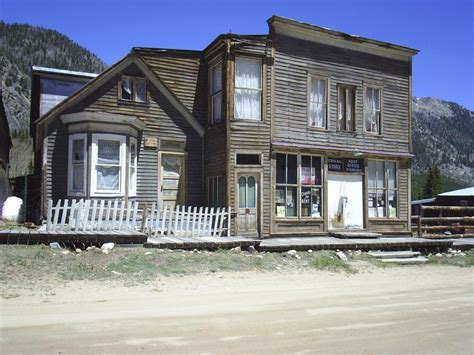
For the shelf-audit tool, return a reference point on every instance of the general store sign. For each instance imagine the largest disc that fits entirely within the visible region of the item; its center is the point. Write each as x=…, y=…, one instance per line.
x=346, y=165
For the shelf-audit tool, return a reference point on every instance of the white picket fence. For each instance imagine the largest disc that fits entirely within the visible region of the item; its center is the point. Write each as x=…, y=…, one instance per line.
x=115, y=215
x=190, y=221
x=91, y=215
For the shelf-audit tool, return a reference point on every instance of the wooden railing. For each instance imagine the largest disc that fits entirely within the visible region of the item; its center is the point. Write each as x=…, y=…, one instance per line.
x=102, y=215
x=444, y=222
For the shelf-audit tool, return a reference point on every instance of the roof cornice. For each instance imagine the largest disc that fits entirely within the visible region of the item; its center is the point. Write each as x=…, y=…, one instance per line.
x=308, y=32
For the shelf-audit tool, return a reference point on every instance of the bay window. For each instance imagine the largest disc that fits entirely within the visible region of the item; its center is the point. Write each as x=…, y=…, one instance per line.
x=248, y=89
x=77, y=166
x=132, y=162
x=382, y=189
x=215, y=93
x=318, y=103
x=372, y=111
x=108, y=164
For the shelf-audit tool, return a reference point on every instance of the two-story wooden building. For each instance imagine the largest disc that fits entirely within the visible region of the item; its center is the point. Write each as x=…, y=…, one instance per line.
x=301, y=131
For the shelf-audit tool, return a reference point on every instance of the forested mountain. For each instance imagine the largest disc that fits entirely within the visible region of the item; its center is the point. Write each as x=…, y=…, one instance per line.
x=443, y=136
x=22, y=46
x=442, y=131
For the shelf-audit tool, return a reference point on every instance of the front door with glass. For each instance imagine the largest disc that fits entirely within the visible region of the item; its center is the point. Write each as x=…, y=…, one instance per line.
x=247, y=212
x=172, y=180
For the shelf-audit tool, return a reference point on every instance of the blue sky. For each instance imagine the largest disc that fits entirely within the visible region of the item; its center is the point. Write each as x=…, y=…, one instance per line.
x=442, y=30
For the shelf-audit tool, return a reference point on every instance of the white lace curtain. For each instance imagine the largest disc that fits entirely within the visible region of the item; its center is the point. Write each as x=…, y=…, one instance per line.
x=372, y=108
x=317, y=112
x=248, y=84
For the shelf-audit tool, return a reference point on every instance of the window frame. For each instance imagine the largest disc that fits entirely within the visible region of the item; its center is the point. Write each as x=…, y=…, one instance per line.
x=71, y=139
x=213, y=181
x=212, y=94
x=347, y=88
x=132, y=183
x=365, y=109
x=312, y=77
x=260, y=90
x=247, y=177
x=299, y=186
x=94, y=158
x=310, y=186
x=386, y=189
x=133, y=80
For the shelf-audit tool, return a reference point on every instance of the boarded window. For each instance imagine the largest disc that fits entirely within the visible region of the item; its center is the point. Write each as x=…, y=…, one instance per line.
x=215, y=191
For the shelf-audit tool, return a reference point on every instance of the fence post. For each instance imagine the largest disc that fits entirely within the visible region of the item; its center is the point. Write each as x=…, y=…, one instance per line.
x=419, y=221
x=49, y=215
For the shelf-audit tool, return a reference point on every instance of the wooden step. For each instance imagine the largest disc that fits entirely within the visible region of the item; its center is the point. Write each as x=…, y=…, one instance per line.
x=394, y=254
x=417, y=260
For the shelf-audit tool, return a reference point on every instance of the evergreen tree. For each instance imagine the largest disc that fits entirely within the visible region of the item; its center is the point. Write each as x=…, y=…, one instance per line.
x=432, y=185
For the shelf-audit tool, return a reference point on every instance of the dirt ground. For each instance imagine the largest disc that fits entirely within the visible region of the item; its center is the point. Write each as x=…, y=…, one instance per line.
x=414, y=309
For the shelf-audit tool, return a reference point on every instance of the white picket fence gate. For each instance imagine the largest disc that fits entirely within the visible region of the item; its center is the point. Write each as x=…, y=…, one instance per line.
x=115, y=215
x=190, y=221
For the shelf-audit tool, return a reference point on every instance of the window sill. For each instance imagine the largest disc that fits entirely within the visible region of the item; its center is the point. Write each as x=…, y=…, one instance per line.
x=252, y=121
x=347, y=133
x=319, y=129
x=385, y=219
x=132, y=103
x=299, y=219
x=372, y=134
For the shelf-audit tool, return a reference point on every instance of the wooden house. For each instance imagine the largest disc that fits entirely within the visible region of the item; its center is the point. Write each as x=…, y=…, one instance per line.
x=302, y=131
x=5, y=145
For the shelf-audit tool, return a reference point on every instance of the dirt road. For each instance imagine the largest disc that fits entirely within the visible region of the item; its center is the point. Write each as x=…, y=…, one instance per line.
x=396, y=310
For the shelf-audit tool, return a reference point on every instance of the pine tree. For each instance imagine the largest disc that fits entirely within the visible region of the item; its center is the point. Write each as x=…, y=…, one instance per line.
x=432, y=185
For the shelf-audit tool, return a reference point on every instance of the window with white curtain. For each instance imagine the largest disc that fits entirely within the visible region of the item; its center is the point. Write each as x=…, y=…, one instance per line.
x=77, y=166
x=215, y=93
x=372, y=112
x=346, y=108
x=318, y=103
x=132, y=161
x=248, y=89
x=108, y=164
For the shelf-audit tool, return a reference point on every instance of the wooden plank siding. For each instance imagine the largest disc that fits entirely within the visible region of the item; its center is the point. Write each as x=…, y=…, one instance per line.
x=295, y=61
x=252, y=136
x=162, y=121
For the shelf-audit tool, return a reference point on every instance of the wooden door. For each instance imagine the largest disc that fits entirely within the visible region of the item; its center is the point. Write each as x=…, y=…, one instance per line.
x=247, y=202
x=345, y=201
x=172, y=179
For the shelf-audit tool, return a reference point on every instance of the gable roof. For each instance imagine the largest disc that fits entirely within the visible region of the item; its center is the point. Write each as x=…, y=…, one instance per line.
x=102, y=78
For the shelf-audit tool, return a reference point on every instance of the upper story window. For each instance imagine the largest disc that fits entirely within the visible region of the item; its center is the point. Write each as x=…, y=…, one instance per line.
x=248, y=89
x=132, y=89
x=215, y=191
x=77, y=166
x=372, y=112
x=318, y=103
x=346, y=108
x=215, y=93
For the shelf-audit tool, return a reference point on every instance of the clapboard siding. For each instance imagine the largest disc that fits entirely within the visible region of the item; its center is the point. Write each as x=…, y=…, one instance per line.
x=253, y=136
x=162, y=121
x=186, y=76
x=295, y=58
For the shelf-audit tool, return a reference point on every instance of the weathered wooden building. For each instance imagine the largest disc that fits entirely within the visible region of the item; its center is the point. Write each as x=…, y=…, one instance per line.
x=301, y=131
x=5, y=145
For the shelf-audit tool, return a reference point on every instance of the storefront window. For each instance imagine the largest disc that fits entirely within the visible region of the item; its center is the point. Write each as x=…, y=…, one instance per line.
x=301, y=197
x=382, y=192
